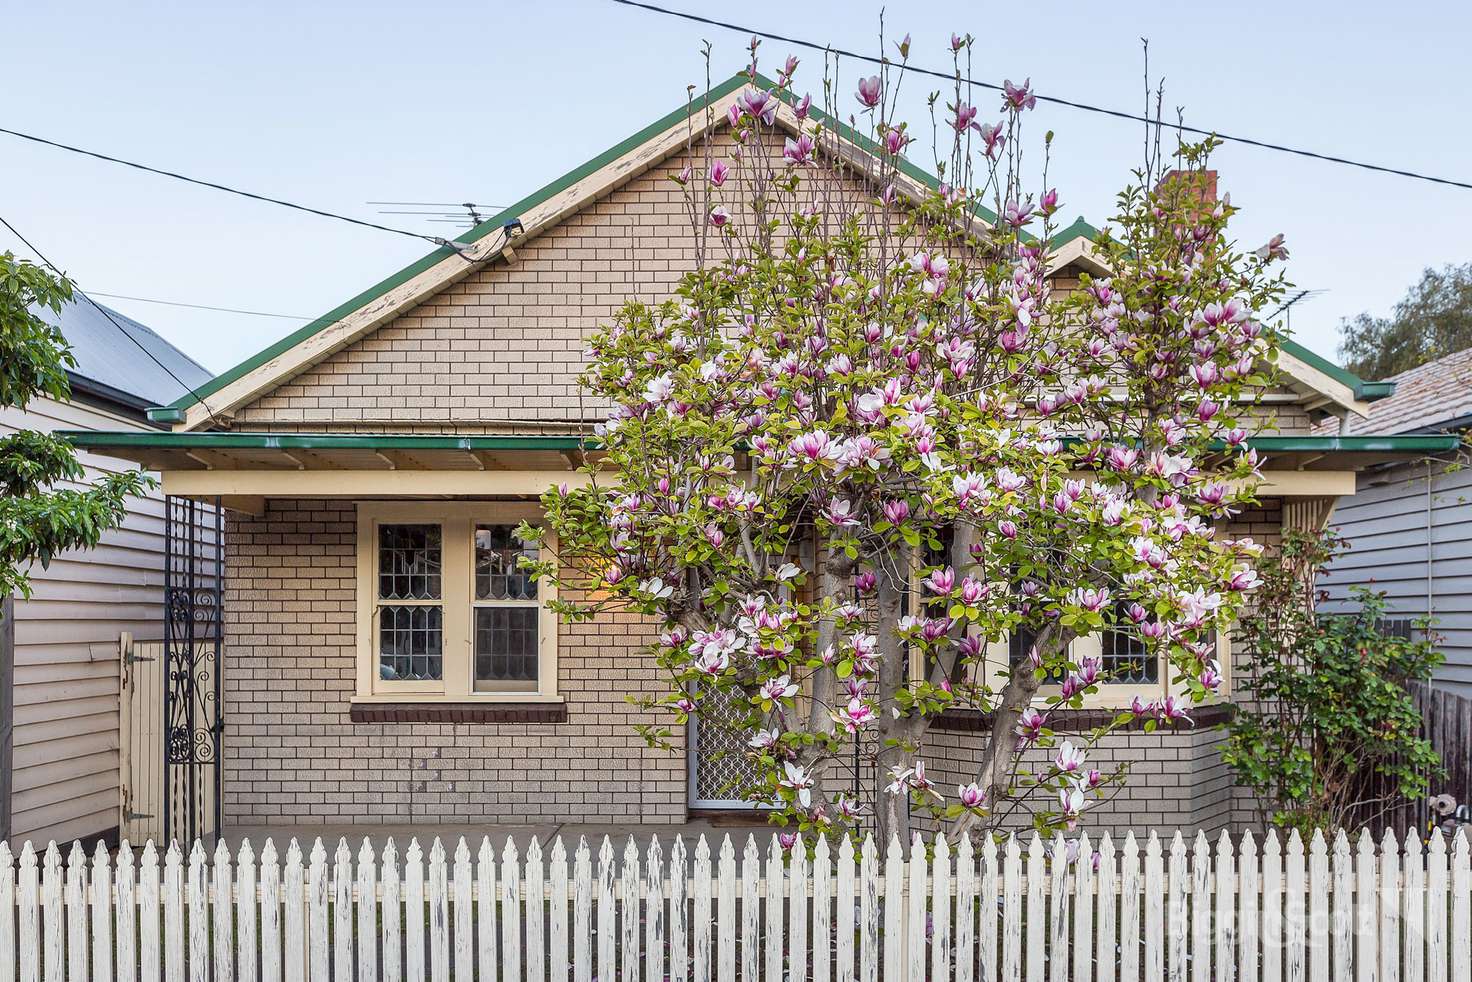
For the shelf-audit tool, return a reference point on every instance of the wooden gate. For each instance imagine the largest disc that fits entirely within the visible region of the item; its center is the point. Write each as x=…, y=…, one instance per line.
x=144, y=780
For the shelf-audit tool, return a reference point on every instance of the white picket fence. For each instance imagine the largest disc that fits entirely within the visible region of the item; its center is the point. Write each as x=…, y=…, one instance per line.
x=1018, y=910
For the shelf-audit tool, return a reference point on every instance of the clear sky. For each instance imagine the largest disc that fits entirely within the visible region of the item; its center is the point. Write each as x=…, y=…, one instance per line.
x=338, y=104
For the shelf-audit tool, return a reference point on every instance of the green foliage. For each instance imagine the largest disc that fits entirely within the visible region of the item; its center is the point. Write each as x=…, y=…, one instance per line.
x=40, y=515
x=1432, y=320
x=1326, y=731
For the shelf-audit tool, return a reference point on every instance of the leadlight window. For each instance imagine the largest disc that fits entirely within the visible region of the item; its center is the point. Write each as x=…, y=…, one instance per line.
x=1127, y=659
x=410, y=612
x=507, y=616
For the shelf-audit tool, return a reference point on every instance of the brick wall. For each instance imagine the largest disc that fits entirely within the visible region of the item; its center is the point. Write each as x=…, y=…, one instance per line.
x=292, y=755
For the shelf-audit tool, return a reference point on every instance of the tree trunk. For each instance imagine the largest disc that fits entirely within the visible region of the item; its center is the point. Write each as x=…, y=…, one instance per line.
x=891, y=811
x=1017, y=695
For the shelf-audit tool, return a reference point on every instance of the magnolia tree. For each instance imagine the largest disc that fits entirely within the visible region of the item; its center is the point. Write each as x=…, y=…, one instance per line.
x=867, y=441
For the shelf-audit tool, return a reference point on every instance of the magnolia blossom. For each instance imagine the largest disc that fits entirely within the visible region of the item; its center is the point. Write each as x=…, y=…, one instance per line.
x=759, y=105
x=797, y=780
x=1018, y=97
x=778, y=688
x=719, y=216
x=1089, y=598
x=971, y=795
x=763, y=740
x=1069, y=758
x=718, y=172
x=869, y=91
x=798, y=150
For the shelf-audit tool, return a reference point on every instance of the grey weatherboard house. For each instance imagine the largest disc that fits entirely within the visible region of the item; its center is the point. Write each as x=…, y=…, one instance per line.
x=60, y=651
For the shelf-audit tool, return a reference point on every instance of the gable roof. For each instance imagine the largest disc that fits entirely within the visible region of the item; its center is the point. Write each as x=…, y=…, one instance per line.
x=1434, y=396
x=111, y=366
x=383, y=301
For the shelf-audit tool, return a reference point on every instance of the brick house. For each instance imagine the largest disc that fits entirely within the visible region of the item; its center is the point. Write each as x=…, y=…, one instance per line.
x=373, y=462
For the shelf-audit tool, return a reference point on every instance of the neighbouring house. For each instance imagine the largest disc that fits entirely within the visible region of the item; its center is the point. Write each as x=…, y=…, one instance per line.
x=1409, y=524
x=1408, y=530
x=59, y=654
x=384, y=664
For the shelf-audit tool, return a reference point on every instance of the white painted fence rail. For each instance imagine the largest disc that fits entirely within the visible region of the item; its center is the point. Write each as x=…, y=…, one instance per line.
x=1020, y=910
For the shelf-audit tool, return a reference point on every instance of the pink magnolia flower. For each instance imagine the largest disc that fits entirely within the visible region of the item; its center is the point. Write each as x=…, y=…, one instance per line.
x=803, y=107
x=856, y=715
x=895, y=140
x=971, y=795
x=787, y=840
x=758, y=104
x=1210, y=677
x=763, y=740
x=1008, y=528
x=958, y=42
x=1049, y=201
x=1018, y=97
x=1171, y=709
x=869, y=91
x=896, y=511
x=719, y=216
x=1030, y=726
x=798, y=151
x=973, y=590
x=1069, y=758
x=1090, y=599
x=778, y=688
x=993, y=139
x=1273, y=249
x=816, y=446
x=941, y=581
x=1073, y=803
x=965, y=117
x=718, y=172
x=797, y=780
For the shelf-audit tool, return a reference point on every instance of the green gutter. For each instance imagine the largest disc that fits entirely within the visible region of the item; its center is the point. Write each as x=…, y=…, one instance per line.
x=196, y=440
x=174, y=412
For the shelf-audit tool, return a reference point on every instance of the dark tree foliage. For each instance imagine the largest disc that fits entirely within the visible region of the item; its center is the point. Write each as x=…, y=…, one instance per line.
x=1432, y=320
x=45, y=508
x=1326, y=732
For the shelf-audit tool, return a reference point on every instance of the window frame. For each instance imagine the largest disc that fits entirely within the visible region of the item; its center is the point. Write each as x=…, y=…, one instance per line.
x=457, y=521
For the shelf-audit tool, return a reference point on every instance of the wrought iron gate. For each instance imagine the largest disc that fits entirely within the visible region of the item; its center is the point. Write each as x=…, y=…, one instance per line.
x=720, y=771
x=194, y=726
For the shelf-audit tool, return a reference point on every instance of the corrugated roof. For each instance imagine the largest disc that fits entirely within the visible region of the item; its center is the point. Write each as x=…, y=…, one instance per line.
x=1427, y=397
x=106, y=357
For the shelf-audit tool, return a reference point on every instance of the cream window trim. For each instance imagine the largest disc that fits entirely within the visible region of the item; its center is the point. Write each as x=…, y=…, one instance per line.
x=457, y=521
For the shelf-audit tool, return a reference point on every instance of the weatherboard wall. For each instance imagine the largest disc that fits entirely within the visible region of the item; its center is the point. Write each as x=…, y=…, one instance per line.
x=67, y=647
x=1409, y=531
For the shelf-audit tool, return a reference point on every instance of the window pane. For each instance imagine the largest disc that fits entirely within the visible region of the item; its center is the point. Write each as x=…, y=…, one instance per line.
x=506, y=648
x=409, y=562
x=1127, y=661
x=410, y=643
x=496, y=574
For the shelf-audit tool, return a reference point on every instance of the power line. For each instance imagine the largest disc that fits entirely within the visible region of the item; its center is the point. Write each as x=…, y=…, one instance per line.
x=199, y=306
x=108, y=314
x=436, y=240
x=1056, y=100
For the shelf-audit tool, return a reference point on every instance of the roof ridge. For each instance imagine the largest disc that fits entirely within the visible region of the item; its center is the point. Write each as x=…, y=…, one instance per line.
x=176, y=411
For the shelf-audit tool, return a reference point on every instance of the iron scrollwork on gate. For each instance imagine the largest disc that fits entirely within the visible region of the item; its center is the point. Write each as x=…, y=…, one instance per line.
x=194, y=725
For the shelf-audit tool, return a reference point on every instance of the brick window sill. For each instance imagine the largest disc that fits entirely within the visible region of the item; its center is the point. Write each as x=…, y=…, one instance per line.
x=1082, y=720
x=458, y=712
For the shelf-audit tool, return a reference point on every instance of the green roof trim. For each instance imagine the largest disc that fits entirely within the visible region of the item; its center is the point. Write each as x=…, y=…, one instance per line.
x=222, y=440
x=174, y=412
x=494, y=223
x=1368, y=391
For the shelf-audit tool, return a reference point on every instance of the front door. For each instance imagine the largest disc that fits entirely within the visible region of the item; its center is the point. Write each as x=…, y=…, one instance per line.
x=720, y=771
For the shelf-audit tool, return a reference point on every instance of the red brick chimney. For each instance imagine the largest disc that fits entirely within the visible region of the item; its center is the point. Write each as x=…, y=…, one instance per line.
x=1201, y=183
